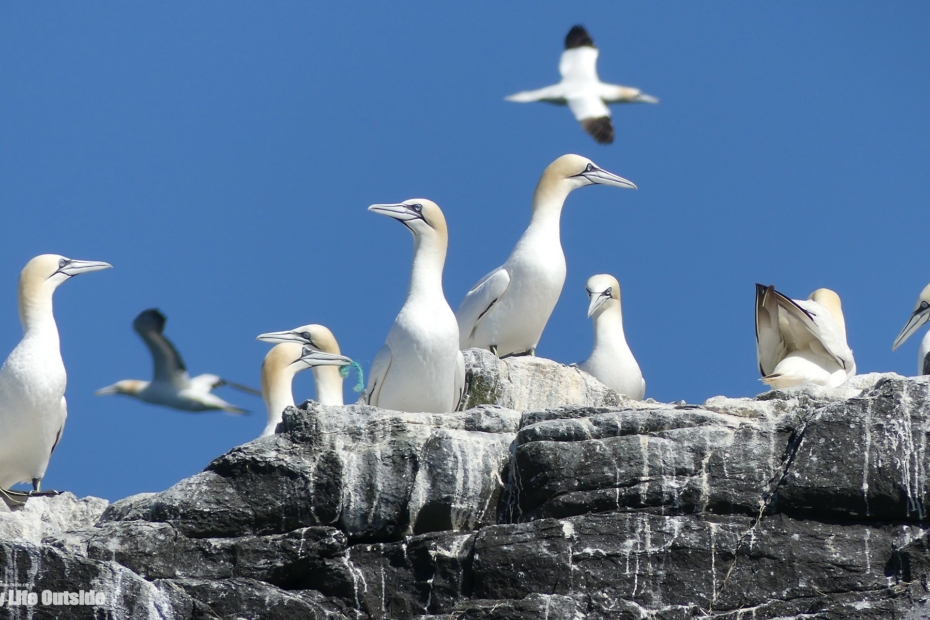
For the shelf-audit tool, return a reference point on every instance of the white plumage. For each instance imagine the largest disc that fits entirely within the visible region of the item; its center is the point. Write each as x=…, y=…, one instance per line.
x=802, y=341
x=33, y=378
x=582, y=90
x=507, y=310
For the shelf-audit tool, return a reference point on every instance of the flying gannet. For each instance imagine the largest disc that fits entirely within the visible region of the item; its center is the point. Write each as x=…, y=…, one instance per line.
x=171, y=386
x=420, y=367
x=582, y=90
x=920, y=316
x=802, y=341
x=33, y=378
x=288, y=358
x=507, y=310
x=611, y=362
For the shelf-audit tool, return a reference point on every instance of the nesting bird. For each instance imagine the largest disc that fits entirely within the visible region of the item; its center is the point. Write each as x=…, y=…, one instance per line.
x=611, y=362
x=171, y=386
x=420, y=367
x=33, y=378
x=309, y=346
x=920, y=316
x=802, y=341
x=582, y=90
x=507, y=310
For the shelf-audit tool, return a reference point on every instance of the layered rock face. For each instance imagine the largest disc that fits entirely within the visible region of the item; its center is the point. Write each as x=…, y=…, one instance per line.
x=582, y=505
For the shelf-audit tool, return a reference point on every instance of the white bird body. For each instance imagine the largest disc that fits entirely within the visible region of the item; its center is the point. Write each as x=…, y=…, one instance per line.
x=171, y=386
x=919, y=317
x=611, y=361
x=33, y=378
x=312, y=346
x=420, y=367
x=802, y=341
x=508, y=309
x=582, y=90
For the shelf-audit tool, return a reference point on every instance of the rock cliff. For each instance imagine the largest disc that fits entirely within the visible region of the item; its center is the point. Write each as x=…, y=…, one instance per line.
x=551, y=497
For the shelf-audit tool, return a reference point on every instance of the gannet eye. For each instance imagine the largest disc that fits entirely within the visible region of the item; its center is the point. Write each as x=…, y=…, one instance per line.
x=306, y=336
x=924, y=305
x=62, y=262
x=589, y=168
x=608, y=292
x=418, y=208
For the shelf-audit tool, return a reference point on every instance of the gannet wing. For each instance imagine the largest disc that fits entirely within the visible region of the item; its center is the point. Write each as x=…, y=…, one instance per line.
x=459, y=384
x=376, y=375
x=579, y=64
x=478, y=301
x=167, y=362
x=594, y=117
x=549, y=94
x=61, y=429
x=828, y=340
x=237, y=386
x=770, y=346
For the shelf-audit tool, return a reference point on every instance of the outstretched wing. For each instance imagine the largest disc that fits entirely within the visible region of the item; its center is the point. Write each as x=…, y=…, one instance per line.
x=594, y=117
x=478, y=301
x=167, y=362
x=770, y=346
x=377, y=374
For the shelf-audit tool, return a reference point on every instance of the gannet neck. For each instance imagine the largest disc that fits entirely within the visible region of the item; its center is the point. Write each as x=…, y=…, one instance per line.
x=549, y=197
x=831, y=301
x=328, y=385
x=277, y=376
x=429, y=256
x=608, y=324
x=35, y=307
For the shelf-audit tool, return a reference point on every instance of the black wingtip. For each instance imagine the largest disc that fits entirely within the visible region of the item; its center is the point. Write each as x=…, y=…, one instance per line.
x=150, y=318
x=578, y=37
x=600, y=128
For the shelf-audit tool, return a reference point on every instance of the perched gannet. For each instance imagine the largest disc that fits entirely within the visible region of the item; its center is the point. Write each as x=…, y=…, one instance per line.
x=420, y=367
x=171, y=386
x=33, y=378
x=582, y=90
x=920, y=316
x=508, y=309
x=326, y=375
x=287, y=359
x=802, y=341
x=611, y=362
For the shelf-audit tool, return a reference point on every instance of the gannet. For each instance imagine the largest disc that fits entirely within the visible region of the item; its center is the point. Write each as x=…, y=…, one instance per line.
x=33, y=377
x=802, y=341
x=582, y=90
x=507, y=310
x=420, y=367
x=611, y=362
x=171, y=386
x=920, y=316
x=287, y=359
x=326, y=375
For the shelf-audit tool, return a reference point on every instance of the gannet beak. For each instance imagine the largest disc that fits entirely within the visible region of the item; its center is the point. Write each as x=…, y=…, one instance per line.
x=597, y=300
x=313, y=357
x=643, y=98
x=920, y=316
x=285, y=336
x=400, y=211
x=602, y=177
x=107, y=391
x=73, y=268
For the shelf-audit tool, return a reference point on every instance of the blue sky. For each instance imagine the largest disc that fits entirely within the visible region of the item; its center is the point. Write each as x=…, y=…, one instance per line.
x=222, y=155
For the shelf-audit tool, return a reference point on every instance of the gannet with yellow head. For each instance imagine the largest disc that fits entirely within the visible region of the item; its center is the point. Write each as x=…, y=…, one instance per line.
x=920, y=316
x=171, y=386
x=802, y=341
x=309, y=346
x=420, y=367
x=582, y=90
x=611, y=362
x=507, y=310
x=33, y=378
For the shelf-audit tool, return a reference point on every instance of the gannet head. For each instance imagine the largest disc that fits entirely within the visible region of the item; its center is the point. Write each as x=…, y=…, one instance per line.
x=577, y=171
x=421, y=216
x=130, y=387
x=920, y=316
x=44, y=273
x=314, y=336
x=603, y=291
x=831, y=301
